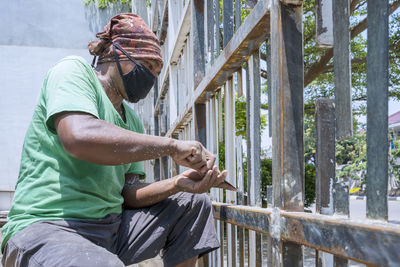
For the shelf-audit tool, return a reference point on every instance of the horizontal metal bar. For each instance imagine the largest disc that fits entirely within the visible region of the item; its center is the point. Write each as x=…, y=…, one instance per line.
x=162, y=33
x=163, y=90
x=181, y=36
x=247, y=39
x=367, y=241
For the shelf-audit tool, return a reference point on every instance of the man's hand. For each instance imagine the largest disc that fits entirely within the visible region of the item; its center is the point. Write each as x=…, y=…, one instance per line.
x=193, y=181
x=192, y=154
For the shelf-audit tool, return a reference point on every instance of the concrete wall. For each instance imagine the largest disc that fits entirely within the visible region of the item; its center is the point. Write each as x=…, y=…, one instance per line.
x=35, y=35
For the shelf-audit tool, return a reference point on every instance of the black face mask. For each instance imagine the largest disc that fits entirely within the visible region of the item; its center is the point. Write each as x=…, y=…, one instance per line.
x=138, y=81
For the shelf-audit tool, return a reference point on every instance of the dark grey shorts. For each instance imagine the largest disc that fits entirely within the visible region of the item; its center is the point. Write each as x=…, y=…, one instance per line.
x=181, y=227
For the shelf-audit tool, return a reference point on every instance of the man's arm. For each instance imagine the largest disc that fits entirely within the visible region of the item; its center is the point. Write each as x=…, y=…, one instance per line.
x=138, y=195
x=88, y=138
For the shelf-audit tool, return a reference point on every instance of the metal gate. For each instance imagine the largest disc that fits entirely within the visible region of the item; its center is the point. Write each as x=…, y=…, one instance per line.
x=202, y=74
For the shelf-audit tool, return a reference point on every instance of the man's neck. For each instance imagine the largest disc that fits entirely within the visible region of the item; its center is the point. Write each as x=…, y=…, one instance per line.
x=111, y=91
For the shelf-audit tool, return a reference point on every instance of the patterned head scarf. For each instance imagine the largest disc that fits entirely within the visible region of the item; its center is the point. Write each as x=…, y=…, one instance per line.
x=133, y=35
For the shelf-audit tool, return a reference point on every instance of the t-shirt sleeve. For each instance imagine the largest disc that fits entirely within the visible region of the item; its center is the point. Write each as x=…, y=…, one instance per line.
x=69, y=88
x=136, y=125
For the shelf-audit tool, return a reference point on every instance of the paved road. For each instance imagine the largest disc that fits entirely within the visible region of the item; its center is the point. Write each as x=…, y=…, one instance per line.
x=358, y=210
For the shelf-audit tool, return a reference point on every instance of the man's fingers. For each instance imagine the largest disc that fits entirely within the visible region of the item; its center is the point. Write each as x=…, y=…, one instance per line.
x=203, y=185
x=210, y=159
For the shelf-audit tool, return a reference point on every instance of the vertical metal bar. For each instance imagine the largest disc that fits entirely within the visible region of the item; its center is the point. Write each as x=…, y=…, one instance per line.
x=342, y=68
x=220, y=126
x=238, y=19
x=227, y=17
x=230, y=164
x=197, y=40
x=254, y=131
x=240, y=196
x=325, y=163
x=210, y=30
x=341, y=199
x=200, y=123
x=377, y=109
x=239, y=83
x=287, y=105
x=217, y=30
x=156, y=161
x=325, y=155
x=269, y=87
x=340, y=262
x=250, y=3
x=254, y=150
x=323, y=23
x=221, y=238
x=287, y=114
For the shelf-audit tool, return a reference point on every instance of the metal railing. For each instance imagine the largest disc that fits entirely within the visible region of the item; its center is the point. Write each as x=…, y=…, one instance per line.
x=194, y=98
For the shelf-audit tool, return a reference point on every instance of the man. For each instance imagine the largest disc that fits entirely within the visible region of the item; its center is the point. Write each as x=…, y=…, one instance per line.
x=78, y=199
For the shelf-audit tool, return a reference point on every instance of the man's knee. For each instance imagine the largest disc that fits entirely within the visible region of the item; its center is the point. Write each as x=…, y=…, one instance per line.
x=202, y=201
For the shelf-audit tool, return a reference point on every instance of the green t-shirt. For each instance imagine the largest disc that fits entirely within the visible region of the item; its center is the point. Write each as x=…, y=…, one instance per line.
x=52, y=184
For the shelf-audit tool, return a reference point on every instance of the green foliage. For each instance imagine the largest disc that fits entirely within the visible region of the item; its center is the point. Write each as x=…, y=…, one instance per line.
x=266, y=179
x=309, y=179
x=323, y=85
x=102, y=4
x=241, y=119
x=353, y=152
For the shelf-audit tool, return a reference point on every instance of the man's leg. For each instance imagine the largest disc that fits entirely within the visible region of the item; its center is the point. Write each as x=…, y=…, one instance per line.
x=47, y=244
x=182, y=227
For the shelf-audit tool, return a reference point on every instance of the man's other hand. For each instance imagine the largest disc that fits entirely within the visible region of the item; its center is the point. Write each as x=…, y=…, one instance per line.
x=194, y=155
x=193, y=181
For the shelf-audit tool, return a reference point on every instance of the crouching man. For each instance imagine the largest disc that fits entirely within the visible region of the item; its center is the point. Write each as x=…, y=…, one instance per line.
x=78, y=200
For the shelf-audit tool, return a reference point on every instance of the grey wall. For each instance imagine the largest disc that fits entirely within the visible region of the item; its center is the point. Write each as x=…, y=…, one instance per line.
x=55, y=23
x=35, y=34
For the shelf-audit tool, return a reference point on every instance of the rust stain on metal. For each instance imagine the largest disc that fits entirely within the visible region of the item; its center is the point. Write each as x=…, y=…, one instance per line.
x=199, y=5
x=368, y=242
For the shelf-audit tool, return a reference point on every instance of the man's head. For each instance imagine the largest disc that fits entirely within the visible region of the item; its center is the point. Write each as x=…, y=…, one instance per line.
x=128, y=44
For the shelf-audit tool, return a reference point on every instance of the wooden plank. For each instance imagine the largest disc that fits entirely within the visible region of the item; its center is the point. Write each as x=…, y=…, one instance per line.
x=287, y=115
x=342, y=68
x=323, y=23
x=377, y=109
